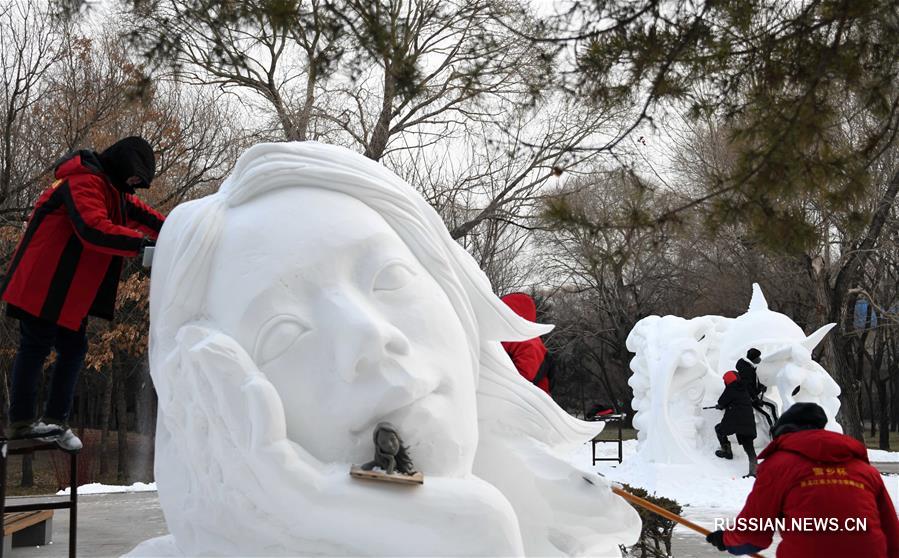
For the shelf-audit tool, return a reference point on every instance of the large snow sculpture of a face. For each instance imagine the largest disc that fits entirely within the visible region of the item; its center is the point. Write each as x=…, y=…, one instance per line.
x=348, y=326
x=314, y=296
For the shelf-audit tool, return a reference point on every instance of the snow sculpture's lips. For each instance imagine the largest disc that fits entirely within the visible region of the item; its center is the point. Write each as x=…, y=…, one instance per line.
x=396, y=393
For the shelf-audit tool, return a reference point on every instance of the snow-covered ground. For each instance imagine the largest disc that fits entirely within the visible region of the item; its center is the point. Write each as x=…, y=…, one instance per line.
x=97, y=488
x=880, y=456
x=716, y=493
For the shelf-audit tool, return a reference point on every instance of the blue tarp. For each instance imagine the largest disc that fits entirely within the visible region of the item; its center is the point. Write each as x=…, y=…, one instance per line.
x=861, y=319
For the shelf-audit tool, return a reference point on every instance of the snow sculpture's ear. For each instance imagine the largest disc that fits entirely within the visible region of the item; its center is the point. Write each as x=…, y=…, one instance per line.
x=812, y=340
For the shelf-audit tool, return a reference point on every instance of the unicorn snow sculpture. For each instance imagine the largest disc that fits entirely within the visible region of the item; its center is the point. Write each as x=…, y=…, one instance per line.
x=677, y=368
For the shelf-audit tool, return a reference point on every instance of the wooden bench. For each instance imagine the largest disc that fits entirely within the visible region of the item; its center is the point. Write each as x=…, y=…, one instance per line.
x=30, y=528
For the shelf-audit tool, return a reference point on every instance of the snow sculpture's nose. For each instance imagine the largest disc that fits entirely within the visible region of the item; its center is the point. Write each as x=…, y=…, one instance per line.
x=367, y=339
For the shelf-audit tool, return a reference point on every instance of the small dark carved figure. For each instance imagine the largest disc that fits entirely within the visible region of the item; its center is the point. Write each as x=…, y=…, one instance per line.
x=390, y=454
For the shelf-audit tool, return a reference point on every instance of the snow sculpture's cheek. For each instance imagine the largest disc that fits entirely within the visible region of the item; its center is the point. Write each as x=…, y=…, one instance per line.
x=813, y=386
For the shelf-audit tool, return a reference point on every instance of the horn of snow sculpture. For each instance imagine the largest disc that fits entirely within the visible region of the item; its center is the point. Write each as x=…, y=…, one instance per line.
x=313, y=297
x=677, y=368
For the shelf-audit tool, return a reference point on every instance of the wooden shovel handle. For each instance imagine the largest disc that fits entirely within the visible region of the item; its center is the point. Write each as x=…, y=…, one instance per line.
x=645, y=504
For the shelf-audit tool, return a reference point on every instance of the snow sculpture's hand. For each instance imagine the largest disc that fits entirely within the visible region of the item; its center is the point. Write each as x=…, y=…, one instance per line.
x=232, y=483
x=223, y=446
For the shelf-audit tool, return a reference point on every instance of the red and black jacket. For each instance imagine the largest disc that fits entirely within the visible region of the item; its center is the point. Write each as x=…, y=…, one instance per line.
x=68, y=262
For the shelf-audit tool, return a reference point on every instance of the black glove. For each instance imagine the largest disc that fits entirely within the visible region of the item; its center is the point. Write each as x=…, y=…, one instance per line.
x=716, y=539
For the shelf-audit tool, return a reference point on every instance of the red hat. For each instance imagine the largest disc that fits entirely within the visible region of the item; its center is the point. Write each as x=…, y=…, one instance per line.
x=730, y=377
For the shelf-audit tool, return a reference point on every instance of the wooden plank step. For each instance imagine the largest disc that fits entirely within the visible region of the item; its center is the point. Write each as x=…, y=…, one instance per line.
x=360, y=473
x=16, y=521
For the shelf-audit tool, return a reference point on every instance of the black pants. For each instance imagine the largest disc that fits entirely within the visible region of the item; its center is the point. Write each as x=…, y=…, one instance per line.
x=742, y=439
x=37, y=338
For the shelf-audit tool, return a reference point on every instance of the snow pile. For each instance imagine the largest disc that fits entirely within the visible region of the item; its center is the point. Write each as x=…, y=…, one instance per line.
x=97, y=488
x=881, y=456
x=717, y=492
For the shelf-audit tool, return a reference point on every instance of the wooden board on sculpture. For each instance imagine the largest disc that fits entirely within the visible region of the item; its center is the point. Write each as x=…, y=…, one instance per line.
x=360, y=473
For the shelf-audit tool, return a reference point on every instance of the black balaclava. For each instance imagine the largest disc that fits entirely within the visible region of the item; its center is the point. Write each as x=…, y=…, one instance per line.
x=754, y=355
x=800, y=416
x=132, y=156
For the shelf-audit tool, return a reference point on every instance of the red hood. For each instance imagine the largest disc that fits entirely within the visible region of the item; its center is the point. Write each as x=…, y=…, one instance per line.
x=818, y=445
x=79, y=162
x=522, y=304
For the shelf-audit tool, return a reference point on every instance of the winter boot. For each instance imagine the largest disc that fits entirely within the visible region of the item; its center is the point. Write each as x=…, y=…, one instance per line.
x=725, y=451
x=63, y=437
x=749, y=448
x=25, y=429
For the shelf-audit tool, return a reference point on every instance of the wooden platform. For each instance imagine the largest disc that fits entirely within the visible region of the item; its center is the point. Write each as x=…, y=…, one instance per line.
x=360, y=473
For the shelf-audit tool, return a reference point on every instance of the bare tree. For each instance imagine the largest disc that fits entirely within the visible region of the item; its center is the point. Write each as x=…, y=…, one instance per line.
x=29, y=47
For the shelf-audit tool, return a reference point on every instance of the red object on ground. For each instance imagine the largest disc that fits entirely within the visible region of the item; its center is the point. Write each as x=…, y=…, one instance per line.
x=526, y=355
x=819, y=476
x=68, y=262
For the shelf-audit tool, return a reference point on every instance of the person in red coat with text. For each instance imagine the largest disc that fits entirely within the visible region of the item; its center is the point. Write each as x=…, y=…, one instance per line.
x=67, y=267
x=528, y=356
x=819, y=485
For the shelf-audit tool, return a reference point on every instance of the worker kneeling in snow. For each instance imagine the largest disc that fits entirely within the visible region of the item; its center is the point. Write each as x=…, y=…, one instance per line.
x=738, y=419
x=817, y=487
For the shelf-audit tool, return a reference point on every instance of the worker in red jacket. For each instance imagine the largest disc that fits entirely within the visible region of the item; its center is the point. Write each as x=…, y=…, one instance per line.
x=817, y=488
x=528, y=356
x=67, y=267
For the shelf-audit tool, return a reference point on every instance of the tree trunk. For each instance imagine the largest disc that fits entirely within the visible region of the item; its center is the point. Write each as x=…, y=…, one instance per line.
x=845, y=375
x=869, y=389
x=883, y=397
x=380, y=133
x=27, y=471
x=105, y=415
x=894, y=407
x=121, y=408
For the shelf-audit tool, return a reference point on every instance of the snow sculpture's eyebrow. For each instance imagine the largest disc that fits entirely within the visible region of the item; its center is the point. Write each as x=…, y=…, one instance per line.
x=377, y=251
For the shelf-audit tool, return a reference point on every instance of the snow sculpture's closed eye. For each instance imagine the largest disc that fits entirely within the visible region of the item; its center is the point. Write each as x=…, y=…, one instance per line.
x=276, y=336
x=393, y=277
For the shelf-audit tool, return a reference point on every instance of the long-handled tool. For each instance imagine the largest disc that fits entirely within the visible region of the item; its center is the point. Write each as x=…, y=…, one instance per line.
x=645, y=504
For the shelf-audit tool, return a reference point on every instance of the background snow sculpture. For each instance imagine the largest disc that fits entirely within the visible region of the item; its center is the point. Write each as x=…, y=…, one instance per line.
x=787, y=363
x=315, y=295
x=670, y=385
x=677, y=369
